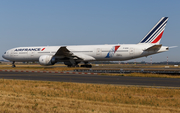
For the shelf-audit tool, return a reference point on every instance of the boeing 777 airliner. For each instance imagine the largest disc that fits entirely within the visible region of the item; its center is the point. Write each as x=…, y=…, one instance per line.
x=73, y=55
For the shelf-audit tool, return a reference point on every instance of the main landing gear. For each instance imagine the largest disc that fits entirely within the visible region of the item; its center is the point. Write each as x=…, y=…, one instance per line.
x=72, y=65
x=13, y=64
x=86, y=65
x=75, y=64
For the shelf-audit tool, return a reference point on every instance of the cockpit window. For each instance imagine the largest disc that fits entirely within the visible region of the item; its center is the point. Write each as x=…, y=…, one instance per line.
x=5, y=53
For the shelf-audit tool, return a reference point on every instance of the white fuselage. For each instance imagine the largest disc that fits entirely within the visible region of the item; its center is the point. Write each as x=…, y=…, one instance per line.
x=98, y=52
x=72, y=55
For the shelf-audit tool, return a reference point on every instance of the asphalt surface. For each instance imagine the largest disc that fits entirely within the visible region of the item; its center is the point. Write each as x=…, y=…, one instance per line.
x=98, y=79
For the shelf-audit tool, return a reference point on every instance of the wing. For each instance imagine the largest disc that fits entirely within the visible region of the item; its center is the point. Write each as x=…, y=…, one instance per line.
x=63, y=52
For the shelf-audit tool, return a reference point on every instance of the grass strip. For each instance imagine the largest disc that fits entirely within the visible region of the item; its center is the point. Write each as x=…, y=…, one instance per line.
x=45, y=96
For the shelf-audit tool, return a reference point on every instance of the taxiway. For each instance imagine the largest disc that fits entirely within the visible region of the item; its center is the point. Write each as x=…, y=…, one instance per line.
x=97, y=79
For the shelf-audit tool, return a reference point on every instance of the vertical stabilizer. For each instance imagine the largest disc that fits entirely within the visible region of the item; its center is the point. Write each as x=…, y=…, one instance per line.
x=155, y=34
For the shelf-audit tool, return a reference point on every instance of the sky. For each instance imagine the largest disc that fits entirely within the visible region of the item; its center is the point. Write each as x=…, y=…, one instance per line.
x=88, y=22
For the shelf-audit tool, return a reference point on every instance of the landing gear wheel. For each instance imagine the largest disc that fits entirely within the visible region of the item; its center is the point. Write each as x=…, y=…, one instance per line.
x=87, y=66
x=13, y=64
x=71, y=64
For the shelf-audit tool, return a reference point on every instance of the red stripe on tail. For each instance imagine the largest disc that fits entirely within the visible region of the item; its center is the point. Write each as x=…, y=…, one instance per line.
x=158, y=38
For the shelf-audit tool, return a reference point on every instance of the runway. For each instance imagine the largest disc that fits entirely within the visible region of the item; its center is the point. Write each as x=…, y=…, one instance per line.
x=98, y=79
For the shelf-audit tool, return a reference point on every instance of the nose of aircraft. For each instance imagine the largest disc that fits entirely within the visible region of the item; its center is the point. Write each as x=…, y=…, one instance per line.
x=4, y=56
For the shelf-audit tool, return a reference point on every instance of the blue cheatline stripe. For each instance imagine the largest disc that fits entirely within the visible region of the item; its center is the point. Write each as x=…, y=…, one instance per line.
x=107, y=56
x=162, y=21
x=156, y=32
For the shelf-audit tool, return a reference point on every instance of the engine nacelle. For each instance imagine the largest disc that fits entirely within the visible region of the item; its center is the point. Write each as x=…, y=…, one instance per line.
x=47, y=60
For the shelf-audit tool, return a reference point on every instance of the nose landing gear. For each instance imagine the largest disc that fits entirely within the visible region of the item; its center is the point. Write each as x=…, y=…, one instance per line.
x=13, y=64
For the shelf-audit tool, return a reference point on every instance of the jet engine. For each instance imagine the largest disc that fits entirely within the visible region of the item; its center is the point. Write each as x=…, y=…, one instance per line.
x=47, y=60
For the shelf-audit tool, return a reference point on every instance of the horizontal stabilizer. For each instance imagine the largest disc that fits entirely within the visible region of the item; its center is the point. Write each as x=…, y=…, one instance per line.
x=153, y=48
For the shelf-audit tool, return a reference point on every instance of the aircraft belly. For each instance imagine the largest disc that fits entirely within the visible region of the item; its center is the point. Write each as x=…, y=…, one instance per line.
x=24, y=58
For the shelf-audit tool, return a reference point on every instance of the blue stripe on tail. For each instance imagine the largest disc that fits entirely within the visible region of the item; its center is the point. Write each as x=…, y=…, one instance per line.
x=147, y=38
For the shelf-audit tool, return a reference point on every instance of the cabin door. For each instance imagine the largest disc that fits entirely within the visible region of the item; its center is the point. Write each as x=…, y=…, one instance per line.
x=98, y=52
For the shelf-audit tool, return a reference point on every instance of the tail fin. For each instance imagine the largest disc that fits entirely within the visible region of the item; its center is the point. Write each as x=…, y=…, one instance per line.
x=155, y=34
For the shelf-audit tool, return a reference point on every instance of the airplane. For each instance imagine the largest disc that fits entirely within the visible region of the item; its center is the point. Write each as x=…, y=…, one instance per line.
x=73, y=55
